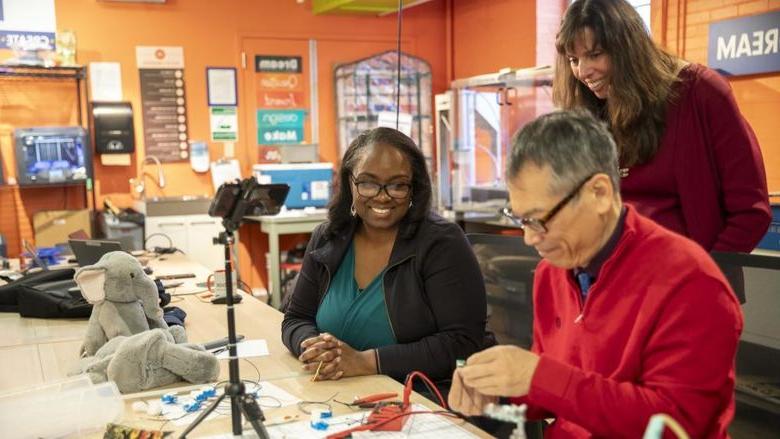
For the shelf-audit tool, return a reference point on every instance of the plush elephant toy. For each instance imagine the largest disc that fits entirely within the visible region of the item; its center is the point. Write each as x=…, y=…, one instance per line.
x=125, y=301
x=148, y=360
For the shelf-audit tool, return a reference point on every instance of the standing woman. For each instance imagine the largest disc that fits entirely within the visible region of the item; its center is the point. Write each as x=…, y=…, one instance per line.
x=386, y=286
x=688, y=158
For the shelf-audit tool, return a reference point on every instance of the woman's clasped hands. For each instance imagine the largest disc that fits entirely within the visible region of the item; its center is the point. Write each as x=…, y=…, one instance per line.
x=330, y=358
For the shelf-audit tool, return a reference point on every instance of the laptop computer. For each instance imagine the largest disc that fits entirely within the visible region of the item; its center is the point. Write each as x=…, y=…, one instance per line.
x=89, y=251
x=30, y=248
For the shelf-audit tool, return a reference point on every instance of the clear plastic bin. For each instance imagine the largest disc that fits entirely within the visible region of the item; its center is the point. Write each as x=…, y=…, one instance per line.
x=72, y=406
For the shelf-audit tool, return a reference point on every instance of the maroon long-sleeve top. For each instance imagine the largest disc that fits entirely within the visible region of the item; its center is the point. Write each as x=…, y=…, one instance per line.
x=707, y=180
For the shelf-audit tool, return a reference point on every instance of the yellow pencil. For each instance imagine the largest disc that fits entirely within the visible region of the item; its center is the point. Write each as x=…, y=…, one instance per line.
x=317, y=372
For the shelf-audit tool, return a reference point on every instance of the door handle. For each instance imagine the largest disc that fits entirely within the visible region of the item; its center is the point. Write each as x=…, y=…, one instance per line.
x=203, y=223
x=506, y=95
x=499, y=93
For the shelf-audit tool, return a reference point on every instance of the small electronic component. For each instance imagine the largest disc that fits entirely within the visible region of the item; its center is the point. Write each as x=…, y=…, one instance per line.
x=318, y=419
x=154, y=408
x=370, y=401
x=116, y=431
x=191, y=407
x=511, y=413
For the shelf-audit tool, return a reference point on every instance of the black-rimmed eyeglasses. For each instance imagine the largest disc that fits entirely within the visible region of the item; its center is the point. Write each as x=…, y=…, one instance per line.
x=371, y=189
x=539, y=225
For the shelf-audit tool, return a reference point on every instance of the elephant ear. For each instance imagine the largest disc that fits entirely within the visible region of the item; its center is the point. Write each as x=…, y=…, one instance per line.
x=91, y=281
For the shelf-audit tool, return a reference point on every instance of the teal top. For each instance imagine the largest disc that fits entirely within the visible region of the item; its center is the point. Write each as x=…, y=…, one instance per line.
x=356, y=317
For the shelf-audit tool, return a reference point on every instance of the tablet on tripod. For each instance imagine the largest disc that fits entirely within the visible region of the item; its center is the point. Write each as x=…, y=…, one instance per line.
x=232, y=203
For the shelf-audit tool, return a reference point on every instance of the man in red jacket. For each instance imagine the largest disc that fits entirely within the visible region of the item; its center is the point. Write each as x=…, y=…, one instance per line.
x=630, y=319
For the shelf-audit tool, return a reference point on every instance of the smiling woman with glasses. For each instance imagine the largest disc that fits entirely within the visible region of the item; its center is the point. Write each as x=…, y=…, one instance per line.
x=539, y=225
x=386, y=286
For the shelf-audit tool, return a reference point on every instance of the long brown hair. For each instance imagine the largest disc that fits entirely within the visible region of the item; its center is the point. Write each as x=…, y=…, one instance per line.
x=642, y=76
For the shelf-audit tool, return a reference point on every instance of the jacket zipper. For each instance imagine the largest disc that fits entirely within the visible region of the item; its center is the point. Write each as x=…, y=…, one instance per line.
x=327, y=286
x=384, y=293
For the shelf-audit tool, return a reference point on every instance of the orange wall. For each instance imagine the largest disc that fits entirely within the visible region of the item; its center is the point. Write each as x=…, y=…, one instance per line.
x=490, y=35
x=686, y=33
x=485, y=36
x=210, y=33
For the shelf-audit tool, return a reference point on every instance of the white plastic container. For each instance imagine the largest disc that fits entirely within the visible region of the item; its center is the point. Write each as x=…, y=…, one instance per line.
x=59, y=408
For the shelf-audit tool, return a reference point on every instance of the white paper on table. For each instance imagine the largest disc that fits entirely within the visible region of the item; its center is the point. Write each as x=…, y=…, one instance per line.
x=272, y=396
x=423, y=426
x=177, y=415
x=246, y=349
x=269, y=396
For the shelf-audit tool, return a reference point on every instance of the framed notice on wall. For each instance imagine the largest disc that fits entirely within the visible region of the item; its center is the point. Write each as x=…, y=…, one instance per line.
x=222, y=86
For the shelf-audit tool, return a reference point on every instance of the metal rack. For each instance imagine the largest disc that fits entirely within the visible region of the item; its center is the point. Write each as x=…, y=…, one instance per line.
x=77, y=74
x=367, y=87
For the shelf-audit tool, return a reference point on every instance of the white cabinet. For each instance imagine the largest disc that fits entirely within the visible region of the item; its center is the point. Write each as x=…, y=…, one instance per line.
x=192, y=234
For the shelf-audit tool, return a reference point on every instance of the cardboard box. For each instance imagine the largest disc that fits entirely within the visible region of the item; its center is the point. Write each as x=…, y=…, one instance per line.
x=52, y=227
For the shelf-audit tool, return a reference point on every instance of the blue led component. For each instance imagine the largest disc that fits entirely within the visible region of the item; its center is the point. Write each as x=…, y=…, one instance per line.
x=320, y=425
x=192, y=407
x=169, y=398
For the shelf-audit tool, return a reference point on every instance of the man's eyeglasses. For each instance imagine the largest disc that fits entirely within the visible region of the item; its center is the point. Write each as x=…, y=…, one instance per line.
x=371, y=189
x=539, y=225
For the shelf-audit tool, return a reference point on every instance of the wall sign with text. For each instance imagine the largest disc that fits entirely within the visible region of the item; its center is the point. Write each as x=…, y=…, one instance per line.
x=281, y=100
x=745, y=46
x=278, y=64
x=164, y=102
x=27, y=24
x=279, y=127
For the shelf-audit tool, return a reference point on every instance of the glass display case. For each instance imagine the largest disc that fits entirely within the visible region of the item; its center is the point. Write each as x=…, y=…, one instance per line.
x=366, y=91
x=476, y=120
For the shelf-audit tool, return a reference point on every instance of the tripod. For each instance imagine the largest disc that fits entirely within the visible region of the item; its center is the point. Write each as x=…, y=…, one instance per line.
x=240, y=401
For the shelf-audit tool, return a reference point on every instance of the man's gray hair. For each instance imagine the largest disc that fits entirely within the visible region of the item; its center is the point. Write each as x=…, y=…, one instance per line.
x=573, y=143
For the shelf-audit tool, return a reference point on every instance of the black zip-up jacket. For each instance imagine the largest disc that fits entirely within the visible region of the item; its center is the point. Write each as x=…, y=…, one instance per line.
x=434, y=292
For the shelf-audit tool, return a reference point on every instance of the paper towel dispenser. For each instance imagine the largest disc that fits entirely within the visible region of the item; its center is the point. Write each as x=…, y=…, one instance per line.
x=113, y=124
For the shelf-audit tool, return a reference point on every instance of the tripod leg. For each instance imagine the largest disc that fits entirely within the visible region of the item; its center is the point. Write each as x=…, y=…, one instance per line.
x=202, y=416
x=254, y=414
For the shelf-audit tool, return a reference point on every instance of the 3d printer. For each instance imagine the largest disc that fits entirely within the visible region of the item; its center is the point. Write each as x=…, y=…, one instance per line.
x=52, y=155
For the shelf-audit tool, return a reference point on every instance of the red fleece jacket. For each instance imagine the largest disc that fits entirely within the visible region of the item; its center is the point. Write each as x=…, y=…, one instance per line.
x=657, y=333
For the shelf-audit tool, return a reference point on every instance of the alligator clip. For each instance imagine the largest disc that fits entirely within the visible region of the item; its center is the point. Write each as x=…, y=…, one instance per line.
x=370, y=399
